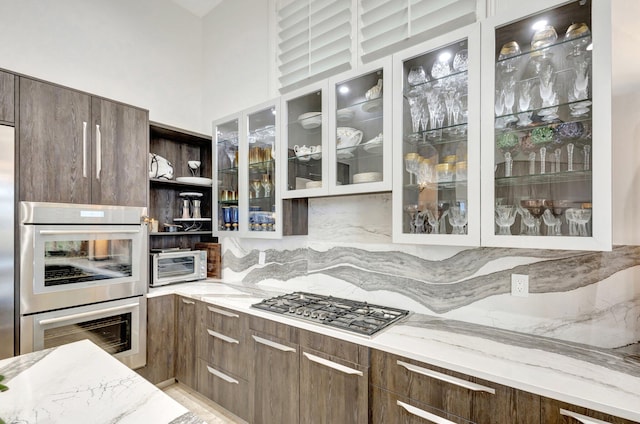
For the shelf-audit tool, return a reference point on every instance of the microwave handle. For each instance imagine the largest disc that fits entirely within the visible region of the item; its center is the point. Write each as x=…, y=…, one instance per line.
x=61, y=232
x=86, y=314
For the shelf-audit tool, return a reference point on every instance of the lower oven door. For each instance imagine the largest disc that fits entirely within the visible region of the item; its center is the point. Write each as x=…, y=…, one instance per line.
x=119, y=327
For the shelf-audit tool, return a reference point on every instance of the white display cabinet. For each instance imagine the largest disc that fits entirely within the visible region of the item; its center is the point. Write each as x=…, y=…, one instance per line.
x=546, y=115
x=436, y=134
x=248, y=196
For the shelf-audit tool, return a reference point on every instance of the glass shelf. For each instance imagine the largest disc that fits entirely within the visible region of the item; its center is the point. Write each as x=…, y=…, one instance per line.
x=549, y=178
x=564, y=115
x=448, y=185
x=439, y=81
x=447, y=134
x=558, y=45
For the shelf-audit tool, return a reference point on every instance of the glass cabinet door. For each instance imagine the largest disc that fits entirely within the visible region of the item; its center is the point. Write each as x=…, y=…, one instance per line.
x=226, y=157
x=436, y=133
x=262, y=193
x=360, y=130
x=304, y=142
x=542, y=130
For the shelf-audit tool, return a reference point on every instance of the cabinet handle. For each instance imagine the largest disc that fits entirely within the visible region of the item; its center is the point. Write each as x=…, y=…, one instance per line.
x=447, y=378
x=583, y=419
x=84, y=149
x=331, y=364
x=188, y=302
x=225, y=377
x=423, y=414
x=222, y=337
x=98, y=152
x=82, y=315
x=223, y=312
x=273, y=344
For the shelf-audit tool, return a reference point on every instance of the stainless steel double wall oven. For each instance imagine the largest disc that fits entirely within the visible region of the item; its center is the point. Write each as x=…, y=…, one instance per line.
x=83, y=274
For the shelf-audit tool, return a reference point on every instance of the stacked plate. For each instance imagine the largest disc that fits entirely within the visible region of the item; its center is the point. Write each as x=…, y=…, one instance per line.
x=314, y=184
x=367, y=177
x=310, y=120
x=345, y=115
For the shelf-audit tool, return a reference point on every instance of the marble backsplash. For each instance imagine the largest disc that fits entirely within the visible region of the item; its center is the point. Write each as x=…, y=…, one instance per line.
x=585, y=297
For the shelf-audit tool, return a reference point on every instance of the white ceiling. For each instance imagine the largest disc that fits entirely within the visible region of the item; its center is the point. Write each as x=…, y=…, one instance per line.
x=198, y=7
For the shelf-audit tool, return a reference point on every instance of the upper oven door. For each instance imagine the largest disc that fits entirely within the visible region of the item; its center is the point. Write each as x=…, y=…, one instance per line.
x=71, y=265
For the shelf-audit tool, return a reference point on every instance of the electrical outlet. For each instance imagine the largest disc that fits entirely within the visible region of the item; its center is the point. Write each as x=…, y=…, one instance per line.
x=262, y=256
x=519, y=285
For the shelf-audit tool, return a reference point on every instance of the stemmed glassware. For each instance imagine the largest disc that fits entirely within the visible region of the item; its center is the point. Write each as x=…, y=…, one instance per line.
x=411, y=164
x=524, y=103
x=535, y=208
x=435, y=216
x=415, y=98
x=231, y=154
x=416, y=76
x=412, y=210
x=441, y=68
x=266, y=184
x=255, y=184
x=505, y=217
x=458, y=218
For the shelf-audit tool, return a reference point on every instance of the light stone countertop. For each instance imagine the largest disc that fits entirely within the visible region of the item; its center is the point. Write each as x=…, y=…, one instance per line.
x=80, y=383
x=595, y=378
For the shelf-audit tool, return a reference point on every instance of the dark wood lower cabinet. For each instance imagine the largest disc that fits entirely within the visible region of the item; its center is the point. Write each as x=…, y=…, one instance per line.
x=227, y=390
x=186, y=341
x=161, y=339
x=556, y=412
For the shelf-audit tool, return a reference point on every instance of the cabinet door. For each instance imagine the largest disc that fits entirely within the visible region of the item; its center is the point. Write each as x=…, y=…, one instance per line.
x=360, y=130
x=546, y=114
x=556, y=412
x=304, y=152
x=436, y=197
x=226, y=159
x=186, y=342
x=7, y=97
x=55, y=146
x=120, y=146
x=161, y=337
x=332, y=390
x=276, y=372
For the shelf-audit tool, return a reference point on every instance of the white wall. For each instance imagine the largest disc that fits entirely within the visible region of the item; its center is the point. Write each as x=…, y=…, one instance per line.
x=236, y=58
x=143, y=52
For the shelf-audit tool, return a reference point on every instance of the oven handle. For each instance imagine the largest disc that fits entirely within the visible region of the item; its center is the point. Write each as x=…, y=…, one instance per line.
x=86, y=314
x=61, y=232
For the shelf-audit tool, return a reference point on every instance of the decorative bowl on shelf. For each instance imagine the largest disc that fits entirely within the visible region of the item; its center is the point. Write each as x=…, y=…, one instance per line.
x=195, y=180
x=345, y=115
x=310, y=120
x=374, y=145
x=348, y=139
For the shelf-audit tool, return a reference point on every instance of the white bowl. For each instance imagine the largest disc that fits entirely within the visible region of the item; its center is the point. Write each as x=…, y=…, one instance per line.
x=195, y=180
x=347, y=139
x=310, y=120
x=345, y=115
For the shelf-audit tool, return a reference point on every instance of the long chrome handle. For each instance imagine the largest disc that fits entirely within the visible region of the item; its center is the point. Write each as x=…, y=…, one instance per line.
x=86, y=314
x=225, y=377
x=222, y=337
x=332, y=364
x=63, y=232
x=447, y=378
x=423, y=414
x=273, y=344
x=223, y=312
x=98, y=152
x=84, y=149
x=583, y=419
x=188, y=302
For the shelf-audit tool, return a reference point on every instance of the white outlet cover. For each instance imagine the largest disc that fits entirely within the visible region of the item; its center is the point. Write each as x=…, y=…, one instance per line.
x=519, y=285
x=262, y=257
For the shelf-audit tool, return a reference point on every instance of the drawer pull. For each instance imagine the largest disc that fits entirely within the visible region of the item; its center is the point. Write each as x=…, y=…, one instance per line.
x=221, y=337
x=583, y=419
x=188, y=302
x=331, y=364
x=447, y=378
x=273, y=344
x=225, y=377
x=423, y=414
x=223, y=312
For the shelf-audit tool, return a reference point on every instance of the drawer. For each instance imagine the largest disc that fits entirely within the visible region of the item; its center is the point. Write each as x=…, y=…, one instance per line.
x=224, y=388
x=222, y=320
x=556, y=412
x=389, y=408
x=223, y=351
x=458, y=394
x=347, y=351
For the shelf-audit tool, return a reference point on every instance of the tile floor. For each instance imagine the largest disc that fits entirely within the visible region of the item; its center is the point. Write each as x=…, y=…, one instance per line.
x=201, y=406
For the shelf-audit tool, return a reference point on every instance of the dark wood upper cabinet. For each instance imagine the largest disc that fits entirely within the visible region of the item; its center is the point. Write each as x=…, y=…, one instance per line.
x=7, y=97
x=75, y=148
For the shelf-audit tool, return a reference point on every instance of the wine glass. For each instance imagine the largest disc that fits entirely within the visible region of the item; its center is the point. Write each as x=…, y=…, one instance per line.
x=411, y=209
x=231, y=153
x=415, y=99
x=541, y=137
x=411, y=161
x=536, y=208
x=505, y=217
x=416, y=76
x=458, y=218
x=507, y=62
x=524, y=103
x=255, y=184
x=441, y=68
x=266, y=184
x=507, y=143
x=544, y=37
x=436, y=212
x=461, y=61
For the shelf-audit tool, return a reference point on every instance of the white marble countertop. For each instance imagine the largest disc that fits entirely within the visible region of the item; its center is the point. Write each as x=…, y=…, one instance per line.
x=594, y=378
x=81, y=383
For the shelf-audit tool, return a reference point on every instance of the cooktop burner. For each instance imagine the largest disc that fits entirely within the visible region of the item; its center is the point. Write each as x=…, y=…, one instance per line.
x=354, y=316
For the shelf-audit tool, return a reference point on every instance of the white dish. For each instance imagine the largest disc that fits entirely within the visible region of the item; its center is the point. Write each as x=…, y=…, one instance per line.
x=314, y=184
x=310, y=120
x=190, y=194
x=344, y=155
x=372, y=105
x=301, y=183
x=367, y=177
x=195, y=180
x=374, y=148
x=345, y=115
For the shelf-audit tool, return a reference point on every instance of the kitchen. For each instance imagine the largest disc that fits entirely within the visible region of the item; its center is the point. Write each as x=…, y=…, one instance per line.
x=362, y=235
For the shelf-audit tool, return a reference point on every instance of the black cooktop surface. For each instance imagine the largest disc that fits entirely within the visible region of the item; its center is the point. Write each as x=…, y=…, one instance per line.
x=350, y=315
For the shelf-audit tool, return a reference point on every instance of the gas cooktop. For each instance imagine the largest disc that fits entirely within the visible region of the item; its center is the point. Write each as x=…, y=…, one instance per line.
x=358, y=317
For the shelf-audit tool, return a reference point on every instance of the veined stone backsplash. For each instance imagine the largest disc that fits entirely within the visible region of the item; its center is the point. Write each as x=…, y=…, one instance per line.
x=584, y=297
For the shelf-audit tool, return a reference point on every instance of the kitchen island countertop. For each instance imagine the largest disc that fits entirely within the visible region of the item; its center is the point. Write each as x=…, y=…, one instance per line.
x=600, y=379
x=81, y=383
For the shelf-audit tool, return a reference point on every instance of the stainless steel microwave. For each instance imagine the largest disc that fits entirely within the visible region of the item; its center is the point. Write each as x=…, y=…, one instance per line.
x=175, y=267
